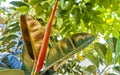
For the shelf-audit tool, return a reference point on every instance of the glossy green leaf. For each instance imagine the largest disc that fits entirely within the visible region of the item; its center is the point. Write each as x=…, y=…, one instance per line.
x=11, y=72
x=68, y=47
x=92, y=59
x=100, y=49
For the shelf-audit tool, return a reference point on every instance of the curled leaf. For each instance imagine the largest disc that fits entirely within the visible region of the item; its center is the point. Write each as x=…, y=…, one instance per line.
x=32, y=33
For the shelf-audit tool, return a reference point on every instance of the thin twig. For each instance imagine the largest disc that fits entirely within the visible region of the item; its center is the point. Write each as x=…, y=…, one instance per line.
x=56, y=67
x=103, y=70
x=10, y=18
x=18, y=43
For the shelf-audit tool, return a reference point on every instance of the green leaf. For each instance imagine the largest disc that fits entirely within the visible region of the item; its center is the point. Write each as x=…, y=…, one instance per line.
x=98, y=20
x=18, y=3
x=68, y=47
x=15, y=29
x=117, y=52
x=11, y=72
x=9, y=38
x=99, y=28
x=33, y=2
x=110, y=74
x=117, y=69
x=92, y=59
x=91, y=69
x=107, y=34
x=75, y=12
x=59, y=21
x=23, y=9
x=39, y=9
x=3, y=65
x=115, y=33
x=100, y=49
x=14, y=24
x=27, y=62
x=67, y=5
x=108, y=56
x=112, y=43
x=65, y=29
x=10, y=45
x=93, y=30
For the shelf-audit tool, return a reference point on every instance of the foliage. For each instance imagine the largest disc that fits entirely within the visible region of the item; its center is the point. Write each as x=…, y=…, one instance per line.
x=99, y=18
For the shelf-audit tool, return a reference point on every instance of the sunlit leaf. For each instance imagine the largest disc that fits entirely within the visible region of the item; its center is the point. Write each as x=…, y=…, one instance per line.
x=108, y=56
x=59, y=21
x=23, y=9
x=39, y=9
x=33, y=2
x=115, y=33
x=99, y=28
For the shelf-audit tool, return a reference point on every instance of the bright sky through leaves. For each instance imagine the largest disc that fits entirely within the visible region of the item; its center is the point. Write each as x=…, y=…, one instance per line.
x=6, y=4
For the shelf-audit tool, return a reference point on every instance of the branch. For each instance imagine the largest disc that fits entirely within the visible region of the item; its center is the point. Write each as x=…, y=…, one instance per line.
x=10, y=17
x=18, y=43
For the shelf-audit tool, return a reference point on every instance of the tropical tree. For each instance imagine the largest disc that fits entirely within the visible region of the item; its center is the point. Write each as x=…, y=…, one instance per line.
x=75, y=38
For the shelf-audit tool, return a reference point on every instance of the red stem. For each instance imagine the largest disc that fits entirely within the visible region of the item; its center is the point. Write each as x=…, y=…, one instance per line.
x=43, y=49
